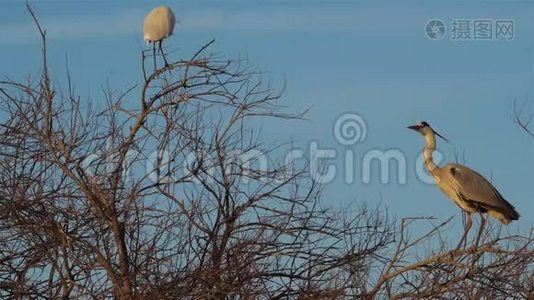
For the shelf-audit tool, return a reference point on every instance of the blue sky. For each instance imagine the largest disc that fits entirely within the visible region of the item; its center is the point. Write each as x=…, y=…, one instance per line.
x=368, y=58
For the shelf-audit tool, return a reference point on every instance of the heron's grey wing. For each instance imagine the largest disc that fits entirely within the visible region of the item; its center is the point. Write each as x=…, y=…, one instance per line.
x=478, y=191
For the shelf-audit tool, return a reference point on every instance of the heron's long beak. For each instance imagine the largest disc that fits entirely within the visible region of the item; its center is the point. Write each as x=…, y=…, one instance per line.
x=414, y=127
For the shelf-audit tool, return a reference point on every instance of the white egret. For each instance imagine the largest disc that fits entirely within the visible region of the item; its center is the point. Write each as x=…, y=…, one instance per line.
x=158, y=25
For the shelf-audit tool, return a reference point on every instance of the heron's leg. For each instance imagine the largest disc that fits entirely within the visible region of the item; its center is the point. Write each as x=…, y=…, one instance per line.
x=468, y=224
x=482, y=223
x=154, y=55
x=163, y=54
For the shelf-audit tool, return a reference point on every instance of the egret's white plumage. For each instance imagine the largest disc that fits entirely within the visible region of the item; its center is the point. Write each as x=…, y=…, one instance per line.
x=158, y=25
x=464, y=186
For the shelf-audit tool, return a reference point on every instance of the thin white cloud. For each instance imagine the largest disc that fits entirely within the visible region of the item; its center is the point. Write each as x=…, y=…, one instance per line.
x=265, y=20
x=378, y=20
x=130, y=23
x=69, y=27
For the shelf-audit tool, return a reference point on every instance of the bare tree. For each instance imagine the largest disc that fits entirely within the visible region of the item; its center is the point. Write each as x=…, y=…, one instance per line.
x=168, y=192
x=523, y=118
x=502, y=267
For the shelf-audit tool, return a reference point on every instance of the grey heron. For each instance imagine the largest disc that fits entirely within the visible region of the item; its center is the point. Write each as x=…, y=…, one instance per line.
x=158, y=25
x=468, y=189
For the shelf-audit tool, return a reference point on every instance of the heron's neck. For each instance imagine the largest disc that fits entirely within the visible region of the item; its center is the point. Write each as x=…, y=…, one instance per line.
x=430, y=146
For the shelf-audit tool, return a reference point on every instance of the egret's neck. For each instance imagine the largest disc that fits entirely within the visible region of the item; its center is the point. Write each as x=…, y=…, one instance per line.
x=430, y=146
